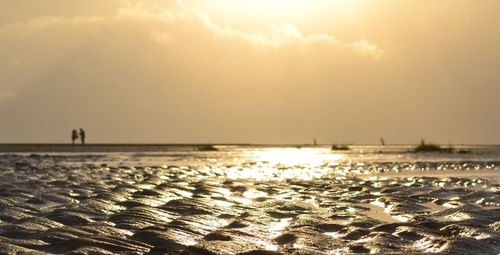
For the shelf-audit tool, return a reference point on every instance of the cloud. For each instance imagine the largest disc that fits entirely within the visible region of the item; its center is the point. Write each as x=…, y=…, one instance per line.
x=175, y=18
x=278, y=36
x=365, y=47
x=170, y=66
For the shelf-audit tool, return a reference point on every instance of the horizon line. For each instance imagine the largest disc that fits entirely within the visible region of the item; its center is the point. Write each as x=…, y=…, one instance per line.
x=236, y=144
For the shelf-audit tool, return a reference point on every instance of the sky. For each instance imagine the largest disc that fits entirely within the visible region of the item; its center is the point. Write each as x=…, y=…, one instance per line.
x=250, y=71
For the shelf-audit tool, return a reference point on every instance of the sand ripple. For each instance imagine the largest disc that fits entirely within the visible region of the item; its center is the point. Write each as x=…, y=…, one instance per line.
x=80, y=205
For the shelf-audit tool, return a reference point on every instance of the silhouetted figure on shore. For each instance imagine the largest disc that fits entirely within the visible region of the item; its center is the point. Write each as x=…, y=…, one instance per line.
x=82, y=136
x=74, y=136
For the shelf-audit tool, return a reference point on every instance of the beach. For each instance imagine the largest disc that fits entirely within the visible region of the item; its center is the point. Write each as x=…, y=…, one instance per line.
x=126, y=199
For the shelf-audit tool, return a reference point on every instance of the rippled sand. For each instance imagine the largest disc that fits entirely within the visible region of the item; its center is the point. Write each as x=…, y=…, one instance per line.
x=267, y=201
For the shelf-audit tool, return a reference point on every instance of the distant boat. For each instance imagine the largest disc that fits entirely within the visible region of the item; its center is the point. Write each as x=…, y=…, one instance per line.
x=206, y=147
x=429, y=147
x=337, y=147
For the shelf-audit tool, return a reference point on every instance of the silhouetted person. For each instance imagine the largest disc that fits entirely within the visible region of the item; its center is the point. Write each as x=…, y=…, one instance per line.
x=74, y=136
x=82, y=136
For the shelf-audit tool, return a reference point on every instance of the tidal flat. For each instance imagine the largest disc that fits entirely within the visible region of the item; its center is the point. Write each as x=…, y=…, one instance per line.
x=251, y=200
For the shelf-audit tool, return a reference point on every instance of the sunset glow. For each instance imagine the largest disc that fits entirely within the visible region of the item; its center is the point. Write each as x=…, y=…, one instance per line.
x=266, y=6
x=264, y=11
x=256, y=71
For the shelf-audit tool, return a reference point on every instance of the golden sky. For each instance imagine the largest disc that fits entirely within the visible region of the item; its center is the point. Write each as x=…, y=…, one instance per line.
x=263, y=71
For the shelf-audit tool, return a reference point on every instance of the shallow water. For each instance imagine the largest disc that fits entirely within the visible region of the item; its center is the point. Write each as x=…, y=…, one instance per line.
x=251, y=200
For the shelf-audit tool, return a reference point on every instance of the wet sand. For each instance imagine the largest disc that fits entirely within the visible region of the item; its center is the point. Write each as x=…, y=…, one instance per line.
x=148, y=204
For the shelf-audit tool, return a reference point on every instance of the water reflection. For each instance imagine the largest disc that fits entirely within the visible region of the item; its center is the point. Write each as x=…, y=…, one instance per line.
x=289, y=157
x=285, y=163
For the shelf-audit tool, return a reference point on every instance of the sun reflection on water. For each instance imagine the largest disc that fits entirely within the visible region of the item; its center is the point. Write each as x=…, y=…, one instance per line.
x=296, y=157
x=286, y=163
